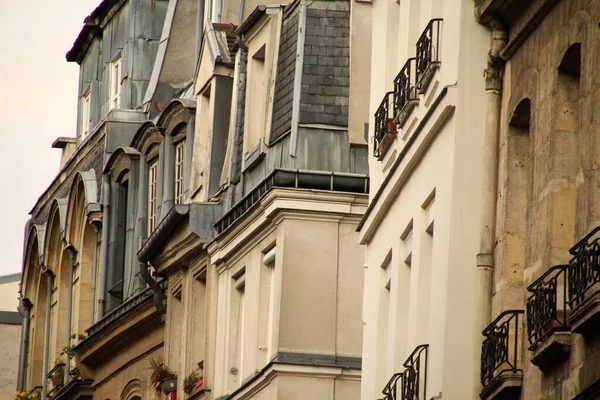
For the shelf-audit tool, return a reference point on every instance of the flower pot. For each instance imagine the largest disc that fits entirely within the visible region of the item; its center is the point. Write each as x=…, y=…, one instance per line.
x=169, y=385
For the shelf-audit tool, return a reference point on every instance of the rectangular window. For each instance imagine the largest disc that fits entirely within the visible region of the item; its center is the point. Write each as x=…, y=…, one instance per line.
x=179, y=171
x=152, y=186
x=115, y=83
x=85, y=116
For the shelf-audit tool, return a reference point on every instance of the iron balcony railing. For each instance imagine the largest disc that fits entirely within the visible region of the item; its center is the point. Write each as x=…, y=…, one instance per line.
x=405, y=85
x=428, y=50
x=547, y=306
x=584, y=271
x=412, y=382
x=384, y=124
x=500, y=348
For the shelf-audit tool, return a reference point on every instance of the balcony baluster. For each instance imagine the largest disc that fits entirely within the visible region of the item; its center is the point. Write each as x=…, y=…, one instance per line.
x=385, y=127
x=428, y=53
x=500, y=350
x=547, y=306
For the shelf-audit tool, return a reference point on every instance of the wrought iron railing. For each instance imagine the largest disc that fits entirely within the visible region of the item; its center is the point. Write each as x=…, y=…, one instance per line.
x=413, y=380
x=384, y=124
x=405, y=85
x=584, y=271
x=428, y=49
x=547, y=306
x=500, y=348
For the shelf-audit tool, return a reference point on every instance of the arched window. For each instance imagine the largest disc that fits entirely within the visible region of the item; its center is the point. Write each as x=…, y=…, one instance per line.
x=134, y=390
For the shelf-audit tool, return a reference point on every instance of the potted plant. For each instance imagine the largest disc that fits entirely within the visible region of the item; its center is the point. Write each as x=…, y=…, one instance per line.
x=31, y=394
x=194, y=382
x=162, y=377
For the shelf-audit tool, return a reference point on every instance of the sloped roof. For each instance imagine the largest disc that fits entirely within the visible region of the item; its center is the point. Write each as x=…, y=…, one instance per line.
x=93, y=24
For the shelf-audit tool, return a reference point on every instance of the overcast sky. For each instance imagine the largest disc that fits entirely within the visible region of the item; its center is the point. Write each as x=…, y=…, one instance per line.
x=38, y=100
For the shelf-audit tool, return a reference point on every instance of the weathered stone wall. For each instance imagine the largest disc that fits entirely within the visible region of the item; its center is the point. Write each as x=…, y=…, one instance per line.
x=548, y=179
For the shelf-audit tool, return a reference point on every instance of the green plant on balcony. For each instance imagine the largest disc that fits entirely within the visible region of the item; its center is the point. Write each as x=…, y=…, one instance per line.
x=193, y=382
x=160, y=373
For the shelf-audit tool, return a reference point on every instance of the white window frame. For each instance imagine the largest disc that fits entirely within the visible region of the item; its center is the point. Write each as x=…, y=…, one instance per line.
x=152, y=195
x=115, y=82
x=85, y=115
x=179, y=171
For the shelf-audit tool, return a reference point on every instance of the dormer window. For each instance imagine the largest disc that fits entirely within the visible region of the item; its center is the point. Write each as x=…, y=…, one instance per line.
x=179, y=171
x=152, y=190
x=115, y=82
x=85, y=115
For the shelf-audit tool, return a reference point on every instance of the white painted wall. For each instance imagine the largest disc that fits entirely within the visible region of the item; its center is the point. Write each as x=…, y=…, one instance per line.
x=432, y=301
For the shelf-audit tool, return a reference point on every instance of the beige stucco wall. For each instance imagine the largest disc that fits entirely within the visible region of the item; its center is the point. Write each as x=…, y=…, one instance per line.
x=10, y=339
x=308, y=301
x=9, y=296
x=430, y=272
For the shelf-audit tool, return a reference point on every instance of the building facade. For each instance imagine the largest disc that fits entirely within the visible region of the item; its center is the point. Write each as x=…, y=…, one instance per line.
x=10, y=331
x=542, y=284
x=422, y=228
x=204, y=216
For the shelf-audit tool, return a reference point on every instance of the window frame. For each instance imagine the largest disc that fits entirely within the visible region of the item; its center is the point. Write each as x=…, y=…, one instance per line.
x=116, y=74
x=179, y=172
x=152, y=194
x=85, y=114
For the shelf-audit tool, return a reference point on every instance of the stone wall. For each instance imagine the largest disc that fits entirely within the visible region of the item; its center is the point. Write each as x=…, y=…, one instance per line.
x=548, y=179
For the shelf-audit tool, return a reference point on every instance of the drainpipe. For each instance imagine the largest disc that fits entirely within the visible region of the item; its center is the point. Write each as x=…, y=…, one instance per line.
x=50, y=284
x=487, y=228
x=25, y=311
x=73, y=254
x=104, y=249
x=142, y=220
x=168, y=176
x=158, y=292
x=94, y=272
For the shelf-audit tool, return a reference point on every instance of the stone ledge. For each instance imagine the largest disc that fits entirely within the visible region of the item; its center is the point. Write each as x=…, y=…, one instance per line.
x=553, y=351
x=586, y=319
x=503, y=387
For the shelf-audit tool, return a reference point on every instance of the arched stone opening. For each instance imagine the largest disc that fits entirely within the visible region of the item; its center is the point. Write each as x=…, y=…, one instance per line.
x=35, y=290
x=517, y=193
x=563, y=152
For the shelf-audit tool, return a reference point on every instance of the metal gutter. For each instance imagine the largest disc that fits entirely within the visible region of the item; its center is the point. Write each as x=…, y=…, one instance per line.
x=106, y=206
x=162, y=232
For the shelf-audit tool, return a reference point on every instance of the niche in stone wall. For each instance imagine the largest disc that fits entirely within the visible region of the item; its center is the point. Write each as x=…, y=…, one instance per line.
x=564, y=155
x=518, y=189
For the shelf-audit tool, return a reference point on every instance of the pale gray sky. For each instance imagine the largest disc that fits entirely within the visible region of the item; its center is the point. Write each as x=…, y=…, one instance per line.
x=38, y=100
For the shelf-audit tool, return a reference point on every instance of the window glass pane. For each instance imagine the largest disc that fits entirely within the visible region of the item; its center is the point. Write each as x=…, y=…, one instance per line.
x=179, y=171
x=152, y=175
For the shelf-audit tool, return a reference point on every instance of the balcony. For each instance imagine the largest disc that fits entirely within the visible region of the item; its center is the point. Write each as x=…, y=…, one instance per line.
x=405, y=91
x=412, y=382
x=548, y=330
x=428, y=54
x=385, y=127
x=584, y=285
x=501, y=374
